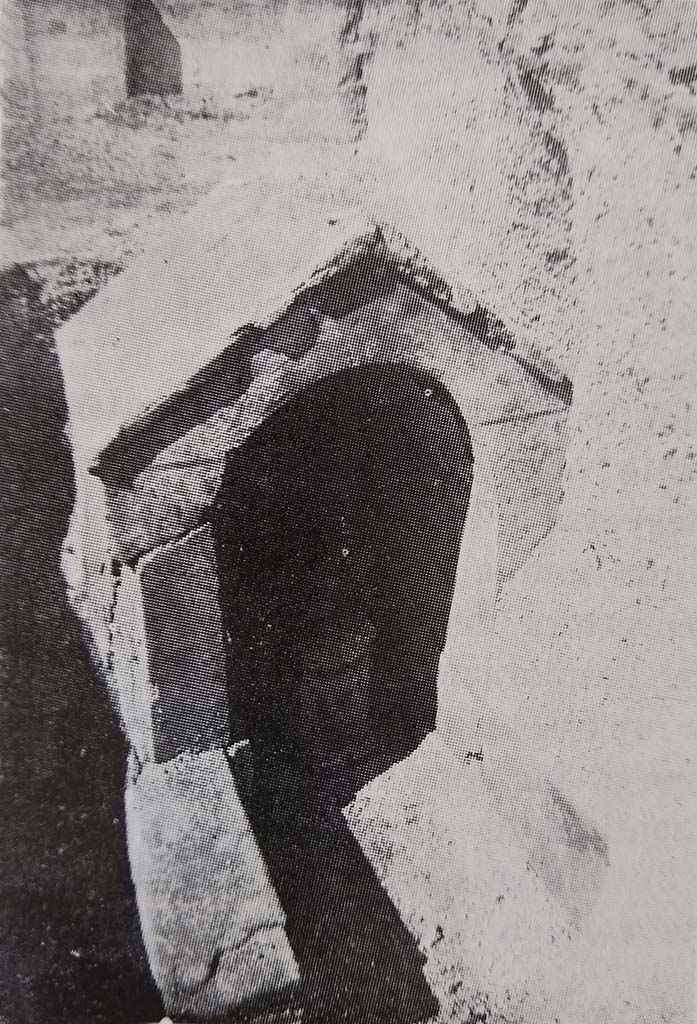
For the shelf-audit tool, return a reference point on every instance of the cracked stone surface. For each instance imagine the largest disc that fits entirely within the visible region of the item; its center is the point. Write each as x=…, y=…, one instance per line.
x=211, y=920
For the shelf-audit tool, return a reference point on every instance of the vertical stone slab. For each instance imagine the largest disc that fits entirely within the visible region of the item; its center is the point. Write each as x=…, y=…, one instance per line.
x=153, y=55
x=185, y=645
x=212, y=924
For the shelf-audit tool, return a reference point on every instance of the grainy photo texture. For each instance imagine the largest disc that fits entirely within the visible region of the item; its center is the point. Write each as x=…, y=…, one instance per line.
x=349, y=505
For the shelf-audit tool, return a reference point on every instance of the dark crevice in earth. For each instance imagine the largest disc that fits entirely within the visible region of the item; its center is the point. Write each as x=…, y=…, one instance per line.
x=69, y=926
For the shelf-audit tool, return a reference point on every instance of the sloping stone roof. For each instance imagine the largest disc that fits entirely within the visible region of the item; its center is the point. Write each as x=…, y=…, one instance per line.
x=244, y=259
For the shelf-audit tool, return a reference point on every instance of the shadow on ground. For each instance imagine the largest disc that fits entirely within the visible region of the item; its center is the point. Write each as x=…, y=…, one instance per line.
x=357, y=960
x=70, y=944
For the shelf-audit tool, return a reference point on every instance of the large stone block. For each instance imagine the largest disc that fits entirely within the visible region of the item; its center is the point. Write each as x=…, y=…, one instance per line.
x=239, y=259
x=260, y=294
x=211, y=921
x=168, y=654
x=153, y=55
x=174, y=493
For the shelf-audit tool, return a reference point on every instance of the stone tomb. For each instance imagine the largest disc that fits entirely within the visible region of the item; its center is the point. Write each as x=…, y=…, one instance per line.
x=297, y=444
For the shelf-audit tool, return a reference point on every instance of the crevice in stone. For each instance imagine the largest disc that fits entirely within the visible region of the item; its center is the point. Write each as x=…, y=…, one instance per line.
x=576, y=833
x=171, y=543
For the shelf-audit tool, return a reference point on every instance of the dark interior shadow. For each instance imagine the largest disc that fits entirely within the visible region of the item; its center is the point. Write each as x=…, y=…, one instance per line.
x=338, y=532
x=70, y=943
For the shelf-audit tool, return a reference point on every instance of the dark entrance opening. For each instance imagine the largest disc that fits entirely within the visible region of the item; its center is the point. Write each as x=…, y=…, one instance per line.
x=338, y=532
x=339, y=527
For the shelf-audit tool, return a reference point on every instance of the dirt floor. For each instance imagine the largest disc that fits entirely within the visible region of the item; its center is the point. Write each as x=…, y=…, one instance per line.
x=554, y=155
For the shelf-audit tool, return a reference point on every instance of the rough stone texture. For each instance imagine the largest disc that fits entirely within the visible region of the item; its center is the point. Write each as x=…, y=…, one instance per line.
x=185, y=645
x=211, y=921
x=561, y=844
x=469, y=891
x=167, y=668
x=497, y=396
x=153, y=55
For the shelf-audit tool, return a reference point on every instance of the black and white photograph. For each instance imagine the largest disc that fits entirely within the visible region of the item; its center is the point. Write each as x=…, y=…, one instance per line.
x=348, y=511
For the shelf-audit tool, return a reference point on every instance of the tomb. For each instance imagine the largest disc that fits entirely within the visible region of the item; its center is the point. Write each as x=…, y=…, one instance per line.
x=306, y=459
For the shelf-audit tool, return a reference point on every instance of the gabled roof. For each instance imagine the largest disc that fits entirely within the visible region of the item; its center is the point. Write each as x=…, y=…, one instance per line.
x=181, y=325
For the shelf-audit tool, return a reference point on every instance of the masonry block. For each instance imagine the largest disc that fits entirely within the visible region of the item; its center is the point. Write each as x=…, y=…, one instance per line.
x=173, y=494
x=168, y=660
x=86, y=565
x=212, y=924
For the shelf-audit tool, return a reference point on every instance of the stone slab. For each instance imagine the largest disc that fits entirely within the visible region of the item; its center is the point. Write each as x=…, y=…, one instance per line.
x=238, y=259
x=167, y=669
x=471, y=884
x=87, y=565
x=528, y=458
x=185, y=646
x=129, y=677
x=212, y=924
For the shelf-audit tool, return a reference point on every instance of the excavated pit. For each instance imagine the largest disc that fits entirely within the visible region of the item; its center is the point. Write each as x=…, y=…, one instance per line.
x=338, y=529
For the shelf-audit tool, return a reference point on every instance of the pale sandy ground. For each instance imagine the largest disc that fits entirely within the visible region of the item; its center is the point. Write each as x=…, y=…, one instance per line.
x=594, y=667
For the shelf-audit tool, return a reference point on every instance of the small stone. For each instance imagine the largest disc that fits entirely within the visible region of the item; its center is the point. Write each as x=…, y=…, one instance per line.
x=268, y=361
